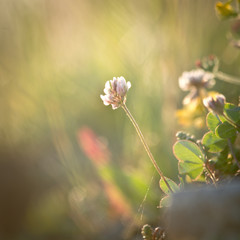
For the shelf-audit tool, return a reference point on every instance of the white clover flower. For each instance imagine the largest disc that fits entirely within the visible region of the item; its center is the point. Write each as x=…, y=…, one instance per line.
x=215, y=103
x=196, y=79
x=193, y=81
x=116, y=91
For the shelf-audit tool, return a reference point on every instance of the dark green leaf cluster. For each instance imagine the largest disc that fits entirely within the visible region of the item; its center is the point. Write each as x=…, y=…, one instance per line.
x=190, y=157
x=215, y=154
x=209, y=159
x=219, y=141
x=223, y=164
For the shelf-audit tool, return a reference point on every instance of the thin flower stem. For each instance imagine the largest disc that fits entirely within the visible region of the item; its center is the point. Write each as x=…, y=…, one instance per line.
x=227, y=78
x=210, y=174
x=231, y=122
x=208, y=169
x=145, y=145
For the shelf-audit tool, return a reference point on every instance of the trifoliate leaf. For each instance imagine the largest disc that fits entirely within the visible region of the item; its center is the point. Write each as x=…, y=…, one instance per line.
x=213, y=121
x=165, y=202
x=192, y=170
x=213, y=142
x=232, y=112
x=226, y=130
x=190, y=156
x=165, y=188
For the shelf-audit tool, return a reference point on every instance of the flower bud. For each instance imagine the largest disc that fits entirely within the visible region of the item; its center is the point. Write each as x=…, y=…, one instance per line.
x=185, y=136
x=116, y=91
x=215, y=104
x=147, y=232
x=209, y=63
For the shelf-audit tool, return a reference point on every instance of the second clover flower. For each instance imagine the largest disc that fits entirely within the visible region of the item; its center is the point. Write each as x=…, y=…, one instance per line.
x=115, y=92
x=194, y=81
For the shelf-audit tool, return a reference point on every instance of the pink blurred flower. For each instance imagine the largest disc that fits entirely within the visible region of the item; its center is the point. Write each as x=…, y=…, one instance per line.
x=95, y=148
x=119, y=205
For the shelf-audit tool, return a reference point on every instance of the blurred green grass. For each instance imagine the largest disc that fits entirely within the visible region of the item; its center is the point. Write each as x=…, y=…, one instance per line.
x=55, y=59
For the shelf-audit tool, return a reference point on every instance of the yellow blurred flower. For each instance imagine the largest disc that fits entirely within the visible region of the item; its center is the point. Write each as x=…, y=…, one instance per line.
x=194, y=113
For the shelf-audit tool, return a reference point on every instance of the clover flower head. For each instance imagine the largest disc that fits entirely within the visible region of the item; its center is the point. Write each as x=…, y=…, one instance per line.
x=215, y=103
x=196, y=79
x=115, y=92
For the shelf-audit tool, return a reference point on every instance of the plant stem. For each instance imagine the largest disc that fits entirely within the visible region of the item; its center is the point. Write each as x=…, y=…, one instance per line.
x=145, y=145
x=231, y=122
x=233, y=153
x=208, y=169
x=227, y=78
x=210, y=174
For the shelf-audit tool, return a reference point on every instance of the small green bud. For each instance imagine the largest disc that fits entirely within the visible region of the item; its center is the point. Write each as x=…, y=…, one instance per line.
x=147, y=232
x=185, y=136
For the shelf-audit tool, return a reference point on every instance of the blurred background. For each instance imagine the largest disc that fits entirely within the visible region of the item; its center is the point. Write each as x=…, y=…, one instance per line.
x=70, y=167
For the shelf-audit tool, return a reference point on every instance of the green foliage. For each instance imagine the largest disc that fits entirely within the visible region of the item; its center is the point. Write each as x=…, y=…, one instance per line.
x=212, y=155
x=216, y=147
x=232, y=112
x=191, y=158
x=171, y=183
x=221, y=129
x=215, y=156
x=224, y=163
x=213, y=121
x=226, y=130
x=194, y=156
x=213, y=143
x=165, y=201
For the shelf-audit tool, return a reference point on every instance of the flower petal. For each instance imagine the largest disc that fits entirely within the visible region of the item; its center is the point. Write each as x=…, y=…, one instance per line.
x=107, y=85
x=128, y=85
x=121, y=86
x=115, y=106
x=105, y=99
